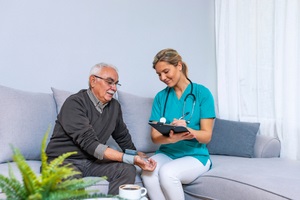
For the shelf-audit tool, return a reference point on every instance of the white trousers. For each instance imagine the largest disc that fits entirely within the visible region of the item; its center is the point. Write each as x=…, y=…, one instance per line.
x=165, y=182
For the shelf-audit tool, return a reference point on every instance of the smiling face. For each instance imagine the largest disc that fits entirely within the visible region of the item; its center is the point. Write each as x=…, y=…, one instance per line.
x=170, y=68
x=168, y=73
x=103, y=84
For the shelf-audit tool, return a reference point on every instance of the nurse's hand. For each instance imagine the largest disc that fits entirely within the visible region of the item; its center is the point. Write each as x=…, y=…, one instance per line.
x=175, y=137
x=179, y=122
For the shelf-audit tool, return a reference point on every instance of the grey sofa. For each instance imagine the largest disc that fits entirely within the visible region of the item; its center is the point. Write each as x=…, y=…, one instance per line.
x=241, y=170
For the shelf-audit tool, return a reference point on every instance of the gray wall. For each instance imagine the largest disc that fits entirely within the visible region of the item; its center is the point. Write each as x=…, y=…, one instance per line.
x=54, y=43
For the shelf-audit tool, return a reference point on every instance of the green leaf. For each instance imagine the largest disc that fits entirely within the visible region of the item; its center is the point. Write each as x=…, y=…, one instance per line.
x=31, y=182
x=44, y=157
x=76, y=184
x=12, y=188
x=55, y=182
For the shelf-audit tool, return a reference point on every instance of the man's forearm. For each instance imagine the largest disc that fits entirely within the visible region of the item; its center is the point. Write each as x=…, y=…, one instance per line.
x=111, y=154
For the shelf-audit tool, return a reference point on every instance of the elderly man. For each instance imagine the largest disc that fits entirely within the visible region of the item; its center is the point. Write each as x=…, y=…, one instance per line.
x=84, y=124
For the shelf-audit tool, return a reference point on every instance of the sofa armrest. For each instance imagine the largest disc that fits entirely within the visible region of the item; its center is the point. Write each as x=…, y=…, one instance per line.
x=266, y=147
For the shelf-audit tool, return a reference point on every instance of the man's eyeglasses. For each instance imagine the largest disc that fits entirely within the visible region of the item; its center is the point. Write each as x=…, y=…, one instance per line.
x=109, y=81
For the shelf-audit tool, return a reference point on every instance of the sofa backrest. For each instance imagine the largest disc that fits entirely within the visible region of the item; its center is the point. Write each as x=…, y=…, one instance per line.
x=24, y=120
x=26, y=116
x=232, y=138
x=136, y=112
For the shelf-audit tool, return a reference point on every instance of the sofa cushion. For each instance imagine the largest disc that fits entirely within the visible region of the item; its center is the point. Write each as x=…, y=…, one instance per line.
x=24, y=120
x=234, y=177
x=136, y=112
x=60, y=96
x=233, y=138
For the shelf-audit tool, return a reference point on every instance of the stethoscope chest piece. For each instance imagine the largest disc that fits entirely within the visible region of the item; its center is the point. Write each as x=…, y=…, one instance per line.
x=163, y=120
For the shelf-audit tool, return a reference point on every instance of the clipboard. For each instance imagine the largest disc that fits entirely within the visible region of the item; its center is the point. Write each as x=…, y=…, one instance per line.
x=165, y=128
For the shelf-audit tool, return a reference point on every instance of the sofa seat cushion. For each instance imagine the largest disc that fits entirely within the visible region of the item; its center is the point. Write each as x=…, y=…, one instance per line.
x=252, y=178
x=4, y=168
x=24, y=120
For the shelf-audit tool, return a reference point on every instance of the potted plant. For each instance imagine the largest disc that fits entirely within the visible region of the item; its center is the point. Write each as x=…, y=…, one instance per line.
x=55, y=181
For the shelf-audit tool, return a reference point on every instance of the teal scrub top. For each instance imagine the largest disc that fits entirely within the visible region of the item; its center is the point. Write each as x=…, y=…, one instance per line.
x=175, y=108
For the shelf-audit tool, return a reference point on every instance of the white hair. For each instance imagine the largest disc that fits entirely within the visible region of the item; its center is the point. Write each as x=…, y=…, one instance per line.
x=98, y=67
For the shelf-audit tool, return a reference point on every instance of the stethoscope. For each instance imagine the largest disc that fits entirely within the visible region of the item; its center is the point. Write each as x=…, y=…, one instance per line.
x=164, y=120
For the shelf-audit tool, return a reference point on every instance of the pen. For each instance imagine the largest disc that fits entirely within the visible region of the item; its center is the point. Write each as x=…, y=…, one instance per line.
x=185, y=114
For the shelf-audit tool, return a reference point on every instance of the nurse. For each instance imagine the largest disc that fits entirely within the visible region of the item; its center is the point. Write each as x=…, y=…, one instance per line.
x=182, y=157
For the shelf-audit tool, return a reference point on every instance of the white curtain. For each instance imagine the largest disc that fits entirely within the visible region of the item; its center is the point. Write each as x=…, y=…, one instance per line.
x=258, y=66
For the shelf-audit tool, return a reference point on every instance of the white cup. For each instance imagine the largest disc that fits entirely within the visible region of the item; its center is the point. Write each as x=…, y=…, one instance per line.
x=131, y=191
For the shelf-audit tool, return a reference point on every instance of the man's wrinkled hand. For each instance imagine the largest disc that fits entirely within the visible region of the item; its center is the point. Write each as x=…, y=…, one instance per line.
x=147, y=164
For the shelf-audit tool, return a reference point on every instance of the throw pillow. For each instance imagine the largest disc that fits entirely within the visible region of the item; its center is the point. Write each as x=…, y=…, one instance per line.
x=60, y=96
x=136, y=112
x=233, y=138
x=24, y=120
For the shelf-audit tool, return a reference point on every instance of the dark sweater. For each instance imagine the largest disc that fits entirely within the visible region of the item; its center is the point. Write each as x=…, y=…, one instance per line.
x=80, y=127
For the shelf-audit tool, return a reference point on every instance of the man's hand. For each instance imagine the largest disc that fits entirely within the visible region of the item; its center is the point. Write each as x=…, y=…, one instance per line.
x=147, y=164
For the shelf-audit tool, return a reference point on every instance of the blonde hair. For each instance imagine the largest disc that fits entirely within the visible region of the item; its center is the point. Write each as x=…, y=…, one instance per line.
x=172, y=57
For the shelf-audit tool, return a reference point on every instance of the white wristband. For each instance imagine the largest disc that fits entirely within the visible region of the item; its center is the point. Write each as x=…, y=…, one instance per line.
x=129, y=159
